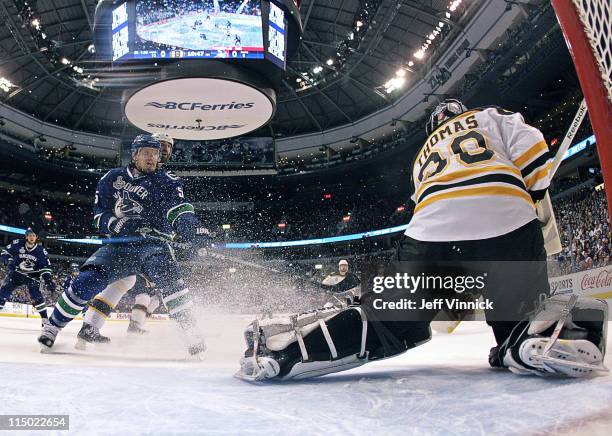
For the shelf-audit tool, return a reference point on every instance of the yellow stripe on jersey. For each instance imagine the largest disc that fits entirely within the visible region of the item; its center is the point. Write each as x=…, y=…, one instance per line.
x=474, y=192
x=454, y=176
x=538, y=175
x=533, y=151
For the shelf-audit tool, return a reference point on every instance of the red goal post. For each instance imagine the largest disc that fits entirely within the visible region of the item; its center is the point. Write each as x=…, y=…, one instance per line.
x=587, y=27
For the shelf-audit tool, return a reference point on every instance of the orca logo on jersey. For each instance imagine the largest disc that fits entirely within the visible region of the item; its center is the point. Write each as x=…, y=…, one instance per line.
x=27, y=265
x=189, y=106
x=127, y=207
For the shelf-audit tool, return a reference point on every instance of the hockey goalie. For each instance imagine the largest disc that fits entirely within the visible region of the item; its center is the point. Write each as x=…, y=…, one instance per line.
x=475, y=182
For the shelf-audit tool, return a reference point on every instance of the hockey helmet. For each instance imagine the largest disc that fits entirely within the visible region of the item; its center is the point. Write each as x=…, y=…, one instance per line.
x=447, y=109
x=164, y=137
x=145, y=141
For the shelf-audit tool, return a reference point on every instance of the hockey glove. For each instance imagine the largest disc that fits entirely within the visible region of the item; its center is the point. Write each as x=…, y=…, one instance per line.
x=124, y=226
x=49, y=283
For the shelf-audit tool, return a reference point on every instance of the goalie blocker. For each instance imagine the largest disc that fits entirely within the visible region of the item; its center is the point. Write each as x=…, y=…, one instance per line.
x=566, y=336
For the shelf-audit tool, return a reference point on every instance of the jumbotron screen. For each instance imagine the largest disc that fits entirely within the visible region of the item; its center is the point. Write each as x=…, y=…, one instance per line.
x=198, y=29
x=205, y=29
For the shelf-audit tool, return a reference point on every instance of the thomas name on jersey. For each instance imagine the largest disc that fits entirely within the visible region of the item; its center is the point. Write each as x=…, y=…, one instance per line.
x=485, y=159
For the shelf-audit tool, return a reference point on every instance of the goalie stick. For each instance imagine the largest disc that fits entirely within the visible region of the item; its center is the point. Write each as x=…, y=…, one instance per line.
x=544, y=208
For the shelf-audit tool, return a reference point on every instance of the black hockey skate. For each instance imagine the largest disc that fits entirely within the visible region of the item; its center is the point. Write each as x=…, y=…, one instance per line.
x=90, y=334
x=133, y=329
x=47, y=337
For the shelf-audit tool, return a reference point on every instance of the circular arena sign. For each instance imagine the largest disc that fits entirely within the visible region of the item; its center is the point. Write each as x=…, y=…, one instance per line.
x=198, y=108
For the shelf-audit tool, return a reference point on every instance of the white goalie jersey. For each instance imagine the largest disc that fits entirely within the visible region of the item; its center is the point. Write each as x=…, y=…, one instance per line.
x=475, y=175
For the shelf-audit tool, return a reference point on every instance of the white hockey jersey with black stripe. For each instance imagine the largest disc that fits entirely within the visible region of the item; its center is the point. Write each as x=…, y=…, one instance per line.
x=474, y=176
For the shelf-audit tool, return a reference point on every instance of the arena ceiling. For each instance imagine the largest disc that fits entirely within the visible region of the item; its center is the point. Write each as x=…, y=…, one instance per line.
x=51, y=77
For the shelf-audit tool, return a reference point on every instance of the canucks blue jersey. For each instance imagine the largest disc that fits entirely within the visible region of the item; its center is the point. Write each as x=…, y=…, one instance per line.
x=156, y=200
x=67, y=282
x=33, y=262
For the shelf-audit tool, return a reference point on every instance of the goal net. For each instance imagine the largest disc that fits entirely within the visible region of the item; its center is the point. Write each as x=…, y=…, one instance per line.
x=587, y=27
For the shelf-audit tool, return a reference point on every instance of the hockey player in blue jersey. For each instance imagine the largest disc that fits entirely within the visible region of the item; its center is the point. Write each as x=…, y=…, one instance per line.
x=141, y=208
x=146, y=297
x=28, y=265
x=72, y=274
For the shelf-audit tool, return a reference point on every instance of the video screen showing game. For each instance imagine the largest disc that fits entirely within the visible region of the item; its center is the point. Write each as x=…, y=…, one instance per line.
x=277, y=29
x=120, y=31
x=198, y=29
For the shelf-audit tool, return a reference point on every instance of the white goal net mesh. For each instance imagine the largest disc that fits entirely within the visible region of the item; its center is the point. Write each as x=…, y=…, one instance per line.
x=596, y=18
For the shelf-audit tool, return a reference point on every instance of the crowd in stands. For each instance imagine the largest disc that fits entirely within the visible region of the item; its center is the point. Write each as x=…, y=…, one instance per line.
x=231, y=152
x=584, y=226
x=45, y=215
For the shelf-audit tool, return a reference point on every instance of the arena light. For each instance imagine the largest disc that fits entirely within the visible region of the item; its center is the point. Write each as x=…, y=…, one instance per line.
x=400, y=73
x=330, y=62
x=65, y=61
x=419, y=54
x=394, y=84
x=317, y=69
x=5, y=84
x=454, y=5
x=410, y=64
x=36, y=23
x=226, y=226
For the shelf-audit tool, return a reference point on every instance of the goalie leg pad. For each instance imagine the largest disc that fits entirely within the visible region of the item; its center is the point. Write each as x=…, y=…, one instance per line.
x=567, y=336
x=323, y=342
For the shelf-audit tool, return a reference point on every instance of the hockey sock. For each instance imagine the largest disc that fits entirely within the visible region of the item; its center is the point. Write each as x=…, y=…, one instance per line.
x=66, y=309
x=153, y=305
x=139, y=310
x=87, y=284
x=139, y=314
x=178, y=303
x=99, y=310
x=41, y=308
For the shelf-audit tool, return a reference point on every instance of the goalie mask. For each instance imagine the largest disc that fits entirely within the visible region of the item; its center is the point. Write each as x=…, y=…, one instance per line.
x=447, y=109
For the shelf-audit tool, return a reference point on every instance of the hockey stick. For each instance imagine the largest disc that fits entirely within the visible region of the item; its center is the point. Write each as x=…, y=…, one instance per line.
x=544, y=208
x=26, y=275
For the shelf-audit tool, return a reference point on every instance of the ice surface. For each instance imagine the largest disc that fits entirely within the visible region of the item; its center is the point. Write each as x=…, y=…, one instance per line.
x=143, y=385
